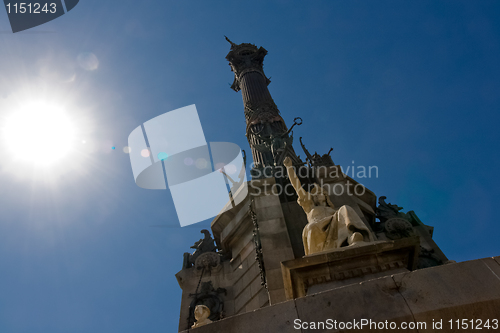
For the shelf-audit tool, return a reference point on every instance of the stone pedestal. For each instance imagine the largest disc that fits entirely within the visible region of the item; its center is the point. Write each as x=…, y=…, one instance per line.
x=456, y=291
x=348, y=265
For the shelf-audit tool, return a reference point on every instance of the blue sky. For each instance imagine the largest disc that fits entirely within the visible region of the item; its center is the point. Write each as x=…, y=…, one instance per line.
x=413, y=88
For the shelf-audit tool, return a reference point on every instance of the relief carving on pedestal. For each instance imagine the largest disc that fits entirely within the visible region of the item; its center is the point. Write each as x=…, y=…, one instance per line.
x=396, y=225
x=397, y=228
x=204, y=245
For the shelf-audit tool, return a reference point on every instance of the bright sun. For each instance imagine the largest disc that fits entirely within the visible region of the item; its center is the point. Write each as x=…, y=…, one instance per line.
x=40, y=133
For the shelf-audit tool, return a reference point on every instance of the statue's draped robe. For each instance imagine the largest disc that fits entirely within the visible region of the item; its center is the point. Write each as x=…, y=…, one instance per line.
x=329, y=228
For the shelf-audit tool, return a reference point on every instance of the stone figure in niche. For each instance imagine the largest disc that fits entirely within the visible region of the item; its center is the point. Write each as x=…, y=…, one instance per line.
x=201, y=314
x=328, y=228
x=210, y=298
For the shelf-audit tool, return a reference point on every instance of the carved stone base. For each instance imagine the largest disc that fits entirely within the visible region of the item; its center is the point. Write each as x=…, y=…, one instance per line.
x=356, y=263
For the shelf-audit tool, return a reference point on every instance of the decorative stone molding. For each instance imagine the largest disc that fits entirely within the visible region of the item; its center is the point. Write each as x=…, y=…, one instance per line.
x=207, y=261
x=428, y=258
x=397, y=228
x=244, y=58
x=204, y=245
x=348, y=263
x=395, y=224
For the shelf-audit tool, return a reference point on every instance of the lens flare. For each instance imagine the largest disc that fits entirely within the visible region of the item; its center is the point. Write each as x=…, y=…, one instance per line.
x=162, y=156
x=201, y=163
x=145, y=153
x=88, y=61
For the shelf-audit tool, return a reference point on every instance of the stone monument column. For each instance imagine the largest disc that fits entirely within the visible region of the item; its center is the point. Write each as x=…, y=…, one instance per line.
x=266, y=130
x=279, y=256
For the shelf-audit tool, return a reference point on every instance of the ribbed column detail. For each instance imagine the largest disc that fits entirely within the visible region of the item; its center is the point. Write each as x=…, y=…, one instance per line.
x=254, y=88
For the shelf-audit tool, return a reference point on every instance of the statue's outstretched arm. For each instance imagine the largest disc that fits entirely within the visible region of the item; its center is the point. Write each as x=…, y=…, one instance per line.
x=293, y=178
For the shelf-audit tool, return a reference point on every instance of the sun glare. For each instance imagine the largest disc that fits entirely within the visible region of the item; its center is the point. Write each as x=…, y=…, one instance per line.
x=39, y=133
